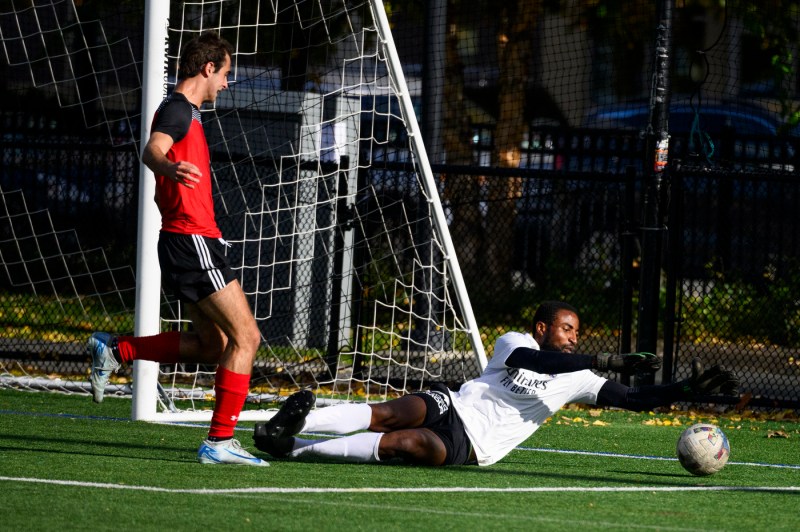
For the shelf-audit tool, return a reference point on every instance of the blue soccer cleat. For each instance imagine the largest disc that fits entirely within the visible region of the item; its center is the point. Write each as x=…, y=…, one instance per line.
x=227, y=452
x=103, y=363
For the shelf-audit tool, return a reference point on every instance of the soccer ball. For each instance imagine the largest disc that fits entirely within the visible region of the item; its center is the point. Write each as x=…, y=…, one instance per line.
x=703, y=449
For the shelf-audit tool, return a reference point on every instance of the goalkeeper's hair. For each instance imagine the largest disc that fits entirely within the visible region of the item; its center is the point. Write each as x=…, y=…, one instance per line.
x=548, y=309
x=208, y=47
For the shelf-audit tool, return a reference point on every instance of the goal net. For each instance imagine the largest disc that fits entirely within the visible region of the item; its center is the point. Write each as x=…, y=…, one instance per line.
x=324, y=192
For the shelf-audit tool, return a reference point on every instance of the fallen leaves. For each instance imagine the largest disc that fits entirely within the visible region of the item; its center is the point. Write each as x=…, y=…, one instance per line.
x=777, y=434
x=581, y=421
x=764, y=421
x=676, y=422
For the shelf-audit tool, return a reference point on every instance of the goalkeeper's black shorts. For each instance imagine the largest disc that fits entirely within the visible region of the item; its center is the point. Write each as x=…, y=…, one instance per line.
x=441, y=418
x=193, y=266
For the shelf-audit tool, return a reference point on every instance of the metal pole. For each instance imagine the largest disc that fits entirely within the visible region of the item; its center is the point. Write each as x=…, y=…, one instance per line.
x=652, y=229
x=433, y=79
x=431, y=125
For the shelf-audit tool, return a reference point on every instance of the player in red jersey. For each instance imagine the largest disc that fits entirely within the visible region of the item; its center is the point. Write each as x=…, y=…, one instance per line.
x=191, y=254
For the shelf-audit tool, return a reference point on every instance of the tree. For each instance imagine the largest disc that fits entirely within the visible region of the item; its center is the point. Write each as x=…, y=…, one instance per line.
x=462, y=191
x=777, y=38
x=517, y=24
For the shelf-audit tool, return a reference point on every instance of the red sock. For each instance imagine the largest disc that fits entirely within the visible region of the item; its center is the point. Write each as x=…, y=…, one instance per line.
x=231, y=391
x=163, y=348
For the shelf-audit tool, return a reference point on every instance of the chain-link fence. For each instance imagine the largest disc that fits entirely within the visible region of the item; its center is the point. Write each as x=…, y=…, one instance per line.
x=545, y=189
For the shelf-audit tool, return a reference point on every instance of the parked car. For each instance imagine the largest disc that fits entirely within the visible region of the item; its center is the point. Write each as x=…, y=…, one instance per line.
x=712, y=118
x=736, y=134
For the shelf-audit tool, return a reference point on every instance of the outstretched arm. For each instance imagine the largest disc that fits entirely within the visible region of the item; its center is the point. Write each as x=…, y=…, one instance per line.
x=714, y=381
x=551, y=362
x=641, y=398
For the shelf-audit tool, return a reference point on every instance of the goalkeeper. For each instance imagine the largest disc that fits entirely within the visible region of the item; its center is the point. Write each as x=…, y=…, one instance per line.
x=529, y=378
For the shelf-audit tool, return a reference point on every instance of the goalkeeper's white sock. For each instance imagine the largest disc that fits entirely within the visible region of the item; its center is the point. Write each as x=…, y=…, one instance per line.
x=362, y=447
x=339, y=419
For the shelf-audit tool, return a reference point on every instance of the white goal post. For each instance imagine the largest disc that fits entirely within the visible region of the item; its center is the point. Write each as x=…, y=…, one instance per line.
x=324, y=189
x=147, y=313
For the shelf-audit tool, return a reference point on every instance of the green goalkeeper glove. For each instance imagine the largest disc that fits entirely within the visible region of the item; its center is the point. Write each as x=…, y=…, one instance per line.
x=627, y=364
x=713, y=381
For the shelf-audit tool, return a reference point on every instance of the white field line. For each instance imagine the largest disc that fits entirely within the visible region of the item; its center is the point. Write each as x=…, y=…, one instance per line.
x=583, y=453
x=531, y=519
x=558, y=451
x=450, y=489
x=325, y=435
x=647, y=457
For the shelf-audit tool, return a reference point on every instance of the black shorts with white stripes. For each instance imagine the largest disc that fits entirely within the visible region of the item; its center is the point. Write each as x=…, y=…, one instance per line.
x=442, y=419
x=193, y=266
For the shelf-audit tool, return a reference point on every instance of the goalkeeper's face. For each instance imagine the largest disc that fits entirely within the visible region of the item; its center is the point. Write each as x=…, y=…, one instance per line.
x=561, y=334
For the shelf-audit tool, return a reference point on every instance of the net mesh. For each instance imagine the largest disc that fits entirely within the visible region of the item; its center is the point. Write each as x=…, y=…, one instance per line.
x=336, y=250
x=537, y=118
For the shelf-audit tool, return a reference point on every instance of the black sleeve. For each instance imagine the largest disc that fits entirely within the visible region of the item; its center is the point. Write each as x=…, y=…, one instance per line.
x=548, y=362
x=174, y=119
x=642, y=398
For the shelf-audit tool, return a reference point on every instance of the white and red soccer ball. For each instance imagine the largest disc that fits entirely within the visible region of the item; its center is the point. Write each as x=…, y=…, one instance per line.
x=703, y=449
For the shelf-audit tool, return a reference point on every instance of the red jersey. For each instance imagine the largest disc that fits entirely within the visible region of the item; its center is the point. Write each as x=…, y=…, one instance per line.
x=184, y=210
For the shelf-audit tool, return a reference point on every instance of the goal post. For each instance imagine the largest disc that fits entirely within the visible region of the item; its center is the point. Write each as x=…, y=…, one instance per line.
x=322, y=187
x=418, y=147
x=148, y=274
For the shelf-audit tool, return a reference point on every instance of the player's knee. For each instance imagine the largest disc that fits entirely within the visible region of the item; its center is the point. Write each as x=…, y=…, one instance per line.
x=248, y=339
x=413, y=446
x=381, y=416
x=253, y=338
x=389, y=416
x=211, y=347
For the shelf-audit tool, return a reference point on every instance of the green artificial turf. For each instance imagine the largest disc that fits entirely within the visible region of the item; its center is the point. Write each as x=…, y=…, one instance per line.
x=69, y=464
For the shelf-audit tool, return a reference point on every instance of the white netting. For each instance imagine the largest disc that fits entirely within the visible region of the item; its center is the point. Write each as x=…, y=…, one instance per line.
x=76, y=61
x=319, y=189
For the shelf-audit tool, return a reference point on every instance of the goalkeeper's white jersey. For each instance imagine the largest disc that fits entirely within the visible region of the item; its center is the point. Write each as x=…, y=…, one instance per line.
x=504, y=406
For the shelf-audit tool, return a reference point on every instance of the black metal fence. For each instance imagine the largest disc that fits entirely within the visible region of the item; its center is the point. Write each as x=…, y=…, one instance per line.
x=731, y=242
x=732, y=278
x=726, y=229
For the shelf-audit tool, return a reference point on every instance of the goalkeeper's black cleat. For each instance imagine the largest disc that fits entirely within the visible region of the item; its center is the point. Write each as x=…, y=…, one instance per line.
x=277, y=447
x=292, y=415
x=276, y=435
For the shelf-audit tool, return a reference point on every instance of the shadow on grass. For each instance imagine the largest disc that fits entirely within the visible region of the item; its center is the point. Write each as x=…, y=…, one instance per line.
x=105, y=449
x=502, y=471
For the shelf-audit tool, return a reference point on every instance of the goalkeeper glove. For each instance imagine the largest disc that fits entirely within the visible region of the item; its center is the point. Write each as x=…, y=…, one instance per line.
x=713, y=381
x=627, y=364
